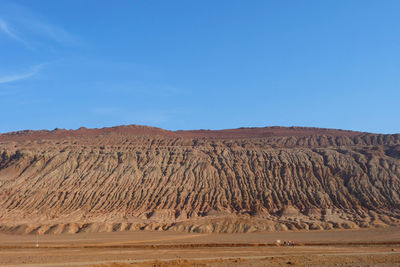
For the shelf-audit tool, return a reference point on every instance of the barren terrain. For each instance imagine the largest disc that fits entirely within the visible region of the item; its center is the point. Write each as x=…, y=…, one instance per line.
x=364, y=247
x=133, y=178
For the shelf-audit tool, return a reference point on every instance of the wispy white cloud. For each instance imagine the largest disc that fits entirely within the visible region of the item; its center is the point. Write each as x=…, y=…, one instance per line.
x=5, y=28
x=51, y=31
x=30, y=28
x=21, y=76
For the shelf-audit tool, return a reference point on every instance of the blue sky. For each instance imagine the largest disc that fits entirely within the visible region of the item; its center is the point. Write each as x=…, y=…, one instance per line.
x=200, y=64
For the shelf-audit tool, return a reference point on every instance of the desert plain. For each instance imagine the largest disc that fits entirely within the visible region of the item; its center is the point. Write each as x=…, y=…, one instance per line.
x=363, y=247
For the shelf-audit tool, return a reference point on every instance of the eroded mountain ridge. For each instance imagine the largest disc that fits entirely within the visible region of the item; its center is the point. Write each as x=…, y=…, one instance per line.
x=240, y=180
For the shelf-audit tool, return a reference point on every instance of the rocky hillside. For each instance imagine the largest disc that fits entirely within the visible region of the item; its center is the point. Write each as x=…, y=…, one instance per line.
x=247, y=179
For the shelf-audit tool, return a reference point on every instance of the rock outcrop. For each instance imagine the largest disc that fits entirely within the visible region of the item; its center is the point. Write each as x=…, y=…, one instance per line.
x=241, y=180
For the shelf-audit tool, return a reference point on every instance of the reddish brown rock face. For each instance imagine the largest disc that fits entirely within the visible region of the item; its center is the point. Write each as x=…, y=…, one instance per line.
x=250, y=179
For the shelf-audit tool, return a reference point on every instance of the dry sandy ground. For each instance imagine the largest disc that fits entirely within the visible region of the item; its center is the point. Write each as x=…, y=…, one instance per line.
x=373, y=247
